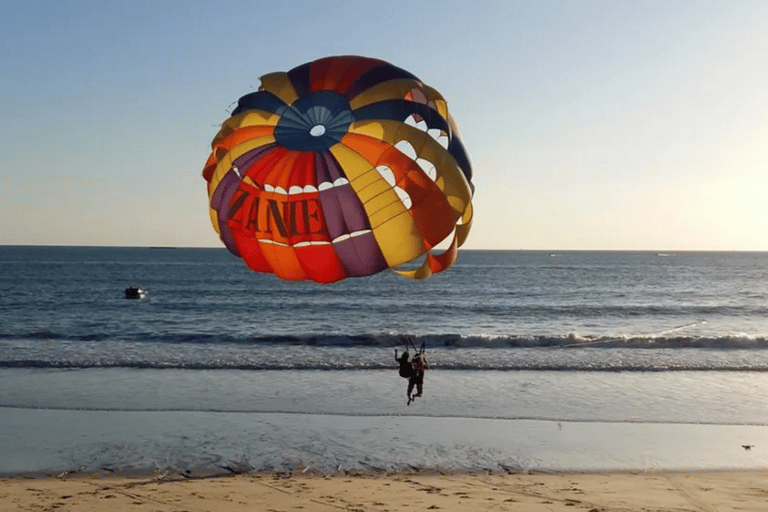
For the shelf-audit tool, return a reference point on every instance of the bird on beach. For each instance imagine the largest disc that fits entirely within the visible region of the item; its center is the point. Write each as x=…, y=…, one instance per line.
x=747, y=446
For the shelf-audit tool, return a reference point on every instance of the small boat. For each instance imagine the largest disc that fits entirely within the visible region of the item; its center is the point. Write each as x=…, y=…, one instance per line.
x=135, y=293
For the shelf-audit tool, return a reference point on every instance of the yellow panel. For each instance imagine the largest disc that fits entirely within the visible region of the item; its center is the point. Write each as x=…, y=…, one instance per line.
x=366, y=178
x=399, y=240
x=247, y=118
x=392, y=90
x=384, y=208
x=214, y=219
x=353, y=164
x=373, y=189
x=279, y=85
x=373, y=129
x=442, y=107
x=222, y=167
x=399, y=237
x=462, y=230
x=258, y=118
x=422, y=272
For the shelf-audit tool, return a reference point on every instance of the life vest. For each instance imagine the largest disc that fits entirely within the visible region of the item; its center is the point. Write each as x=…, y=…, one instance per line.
x=419, y=363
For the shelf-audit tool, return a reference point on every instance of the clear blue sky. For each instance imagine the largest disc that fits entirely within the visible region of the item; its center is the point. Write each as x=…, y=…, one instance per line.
x=590, y=124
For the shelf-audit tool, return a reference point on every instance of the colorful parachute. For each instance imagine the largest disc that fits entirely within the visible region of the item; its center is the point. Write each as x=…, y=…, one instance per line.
x=341, y=167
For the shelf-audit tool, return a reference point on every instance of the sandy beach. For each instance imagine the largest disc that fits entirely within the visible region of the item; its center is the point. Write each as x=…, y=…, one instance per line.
x=532, y=492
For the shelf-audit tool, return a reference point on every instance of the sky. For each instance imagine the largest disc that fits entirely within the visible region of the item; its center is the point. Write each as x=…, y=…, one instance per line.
x=591, y=125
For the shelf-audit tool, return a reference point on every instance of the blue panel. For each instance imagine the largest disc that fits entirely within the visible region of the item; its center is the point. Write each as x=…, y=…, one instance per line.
x=297, y=129
x=259, y=100
x=375, y=76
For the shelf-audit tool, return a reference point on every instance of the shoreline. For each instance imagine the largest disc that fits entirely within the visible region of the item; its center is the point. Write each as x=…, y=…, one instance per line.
x=727, y=490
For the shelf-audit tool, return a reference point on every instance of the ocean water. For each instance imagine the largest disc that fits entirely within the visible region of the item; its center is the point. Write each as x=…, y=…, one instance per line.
x=569, y=360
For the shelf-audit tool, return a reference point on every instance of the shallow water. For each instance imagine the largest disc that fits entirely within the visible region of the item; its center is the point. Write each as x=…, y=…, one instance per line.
x=725, y=398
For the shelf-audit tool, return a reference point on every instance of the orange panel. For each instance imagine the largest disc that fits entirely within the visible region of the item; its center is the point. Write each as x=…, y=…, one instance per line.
x=243, y=134
x=434, y=218
x=221, y=147
x=369, y=148
x=283, y=260
x=440, y=262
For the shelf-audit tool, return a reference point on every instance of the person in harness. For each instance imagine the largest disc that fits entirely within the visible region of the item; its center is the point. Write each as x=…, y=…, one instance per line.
x=406, y=369
x=419, y=365
x=413, y=370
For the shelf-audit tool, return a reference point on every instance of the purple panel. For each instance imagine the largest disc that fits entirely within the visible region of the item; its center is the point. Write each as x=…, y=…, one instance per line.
x=220, y=201
x=344, y=214
x=360, y=255
x=342, y=211
x=328, y=168
x=334, y=220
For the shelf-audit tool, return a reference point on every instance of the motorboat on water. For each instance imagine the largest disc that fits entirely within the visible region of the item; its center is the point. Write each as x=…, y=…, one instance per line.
x=135, y=293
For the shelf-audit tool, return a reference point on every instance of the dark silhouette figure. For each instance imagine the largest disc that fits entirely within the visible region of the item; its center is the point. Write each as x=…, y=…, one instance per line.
x=419, y=365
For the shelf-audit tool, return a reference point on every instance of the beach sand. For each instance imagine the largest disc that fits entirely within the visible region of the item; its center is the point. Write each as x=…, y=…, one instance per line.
x=530, y=492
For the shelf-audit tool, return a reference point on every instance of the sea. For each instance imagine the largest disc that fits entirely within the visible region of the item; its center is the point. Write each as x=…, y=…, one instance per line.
x=539, y=360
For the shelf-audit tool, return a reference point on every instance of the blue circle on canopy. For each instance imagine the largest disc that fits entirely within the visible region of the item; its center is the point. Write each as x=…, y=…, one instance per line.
x=314, y=122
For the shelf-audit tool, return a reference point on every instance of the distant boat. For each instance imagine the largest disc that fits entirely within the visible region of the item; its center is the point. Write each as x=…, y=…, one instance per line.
x=135, y=293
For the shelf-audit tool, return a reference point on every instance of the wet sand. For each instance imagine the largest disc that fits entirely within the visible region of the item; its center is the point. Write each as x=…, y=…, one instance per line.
x=546, y=492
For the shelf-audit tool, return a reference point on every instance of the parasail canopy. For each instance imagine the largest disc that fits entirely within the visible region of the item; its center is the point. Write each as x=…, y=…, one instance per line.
x=341, y=167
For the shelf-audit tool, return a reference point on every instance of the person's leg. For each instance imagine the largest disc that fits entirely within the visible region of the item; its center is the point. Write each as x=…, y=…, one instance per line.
x=419, y=381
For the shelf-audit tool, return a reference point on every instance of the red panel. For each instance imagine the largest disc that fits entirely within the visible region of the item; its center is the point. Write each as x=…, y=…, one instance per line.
x=261, y=168
x=251, y=253
x=318, y=72
x=321, y=263
x=210, y=166
x=280, y=173
x=345, y=70
x=303, y=172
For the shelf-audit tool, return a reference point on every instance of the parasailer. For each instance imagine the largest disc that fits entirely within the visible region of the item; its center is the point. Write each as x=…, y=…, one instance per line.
x=413, y=369
x=341, y=167
x=420, y=365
